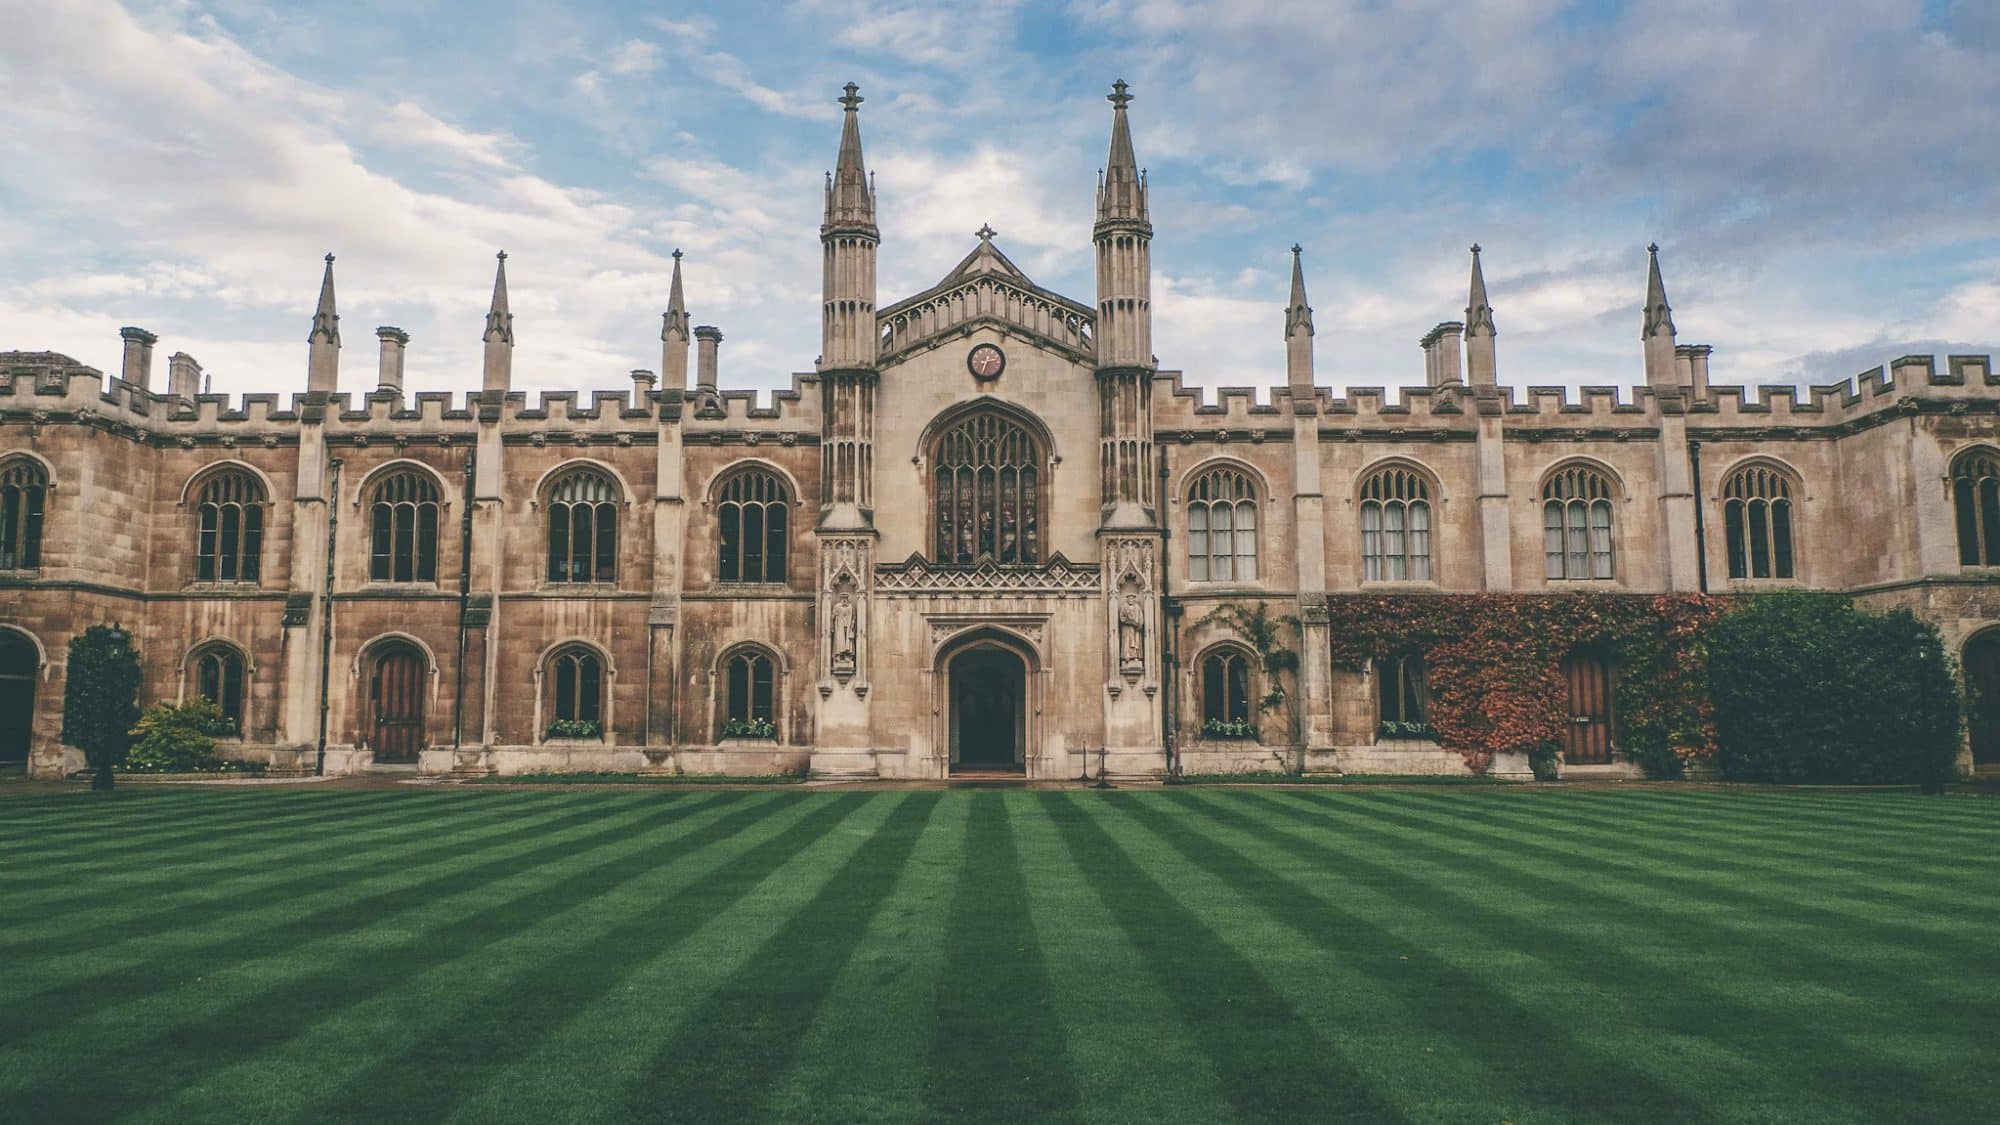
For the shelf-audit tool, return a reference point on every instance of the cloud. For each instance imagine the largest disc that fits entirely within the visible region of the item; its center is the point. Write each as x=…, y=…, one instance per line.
x=634, y=56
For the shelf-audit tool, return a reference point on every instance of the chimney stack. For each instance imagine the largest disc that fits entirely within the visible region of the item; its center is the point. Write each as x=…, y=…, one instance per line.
x=642, y=387
x=138, y=369
x=1442, y=356
x=707, y=338
x=1696, y=375
x=394, y=343
x=183, y=377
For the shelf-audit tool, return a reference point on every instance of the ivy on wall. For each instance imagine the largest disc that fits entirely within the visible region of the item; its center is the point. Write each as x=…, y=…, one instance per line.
x=1494, y=663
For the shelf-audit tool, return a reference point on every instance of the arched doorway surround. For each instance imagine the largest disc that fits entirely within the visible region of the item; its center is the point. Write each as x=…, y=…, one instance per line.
x=398, y=687
x=987, y=702
x=20, y=669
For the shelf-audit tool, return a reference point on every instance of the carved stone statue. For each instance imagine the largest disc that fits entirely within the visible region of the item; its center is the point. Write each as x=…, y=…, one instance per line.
x=843, y=633
x=1131, y=634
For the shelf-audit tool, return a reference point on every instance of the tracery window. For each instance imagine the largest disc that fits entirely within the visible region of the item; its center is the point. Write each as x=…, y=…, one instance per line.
x=1222, y=527
x=218, y=678
x=753, y=511
x=1402, y=696
x=1757, y=522
x=24, y=491
x=229, y=540
x=1975, y=491
x=1576, y=524
x=749, y=695
x=1225, y=694
x=986, y=492
x=583, y=528
x=1396, y=526
x=403, y=538
x=576, y=694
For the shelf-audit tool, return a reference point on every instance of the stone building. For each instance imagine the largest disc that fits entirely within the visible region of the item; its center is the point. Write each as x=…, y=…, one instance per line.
x=982, y=534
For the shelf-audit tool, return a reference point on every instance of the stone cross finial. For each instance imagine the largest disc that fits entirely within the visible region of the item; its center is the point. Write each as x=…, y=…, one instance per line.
x=677, y=254
x=1297, y=249
x=852, y=99
x=502, y=255
x=1652, y=248
x=1118, y=97
x=1475, y=248
x=986, y=232
x=329, y=259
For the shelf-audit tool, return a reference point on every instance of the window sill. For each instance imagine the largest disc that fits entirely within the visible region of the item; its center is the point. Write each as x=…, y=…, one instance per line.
x=751, y=589
x=1224, y=586
x=1582, y=584
x=224, y=586
x=745, y=742
x=1765, y=584
x=1407, y=742
x=577, y=589
x=1399, y=584
x=568, y=743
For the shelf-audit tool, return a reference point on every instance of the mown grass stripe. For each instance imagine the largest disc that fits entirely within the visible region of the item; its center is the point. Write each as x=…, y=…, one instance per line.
x=720, y=1062
x=490, y=989
x=211, y=887
x=1457, y=882
x=1256, y=1041
x=233, y=1006
x=1132, y=1055
x=867, y=1052
x=998, y=1052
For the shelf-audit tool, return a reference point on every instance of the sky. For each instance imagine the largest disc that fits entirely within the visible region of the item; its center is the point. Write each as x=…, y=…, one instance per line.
x=1823, y=179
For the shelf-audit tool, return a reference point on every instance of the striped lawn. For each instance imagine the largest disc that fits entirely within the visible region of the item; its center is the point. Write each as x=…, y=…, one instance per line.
x=1202, y=955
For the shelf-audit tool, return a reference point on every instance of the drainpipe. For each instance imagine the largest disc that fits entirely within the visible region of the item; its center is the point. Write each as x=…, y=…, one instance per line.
x=326, y=611
x=1700, y=532
x=1169, y=673
x=464, y=600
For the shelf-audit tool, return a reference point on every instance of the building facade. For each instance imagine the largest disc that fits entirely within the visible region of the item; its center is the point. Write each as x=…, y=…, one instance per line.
x=986, y=533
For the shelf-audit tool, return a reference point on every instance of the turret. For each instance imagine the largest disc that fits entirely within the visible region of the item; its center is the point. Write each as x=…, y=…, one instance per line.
x=1124, y=237
x=499, y=374
x=674, y=336
x=849, y=239
x=1481, y=362
x=323, y=342
x=1657, y=332
x=1299, y=334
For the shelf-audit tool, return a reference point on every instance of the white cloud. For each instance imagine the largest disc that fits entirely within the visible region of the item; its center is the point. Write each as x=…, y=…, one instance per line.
x=634, y=56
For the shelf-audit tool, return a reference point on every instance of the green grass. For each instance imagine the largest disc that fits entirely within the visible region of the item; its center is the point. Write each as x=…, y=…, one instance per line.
x=593, y=778
x=1204, y=955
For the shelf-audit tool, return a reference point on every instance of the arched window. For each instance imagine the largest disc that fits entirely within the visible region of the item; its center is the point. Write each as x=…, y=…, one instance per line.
x=753, y=512
x=24, y=490
x=229, y=538
x=1395, y=526
x=749, y=695
x=403, y=539
x=986, y=492
x=583, y=528
x=1222, y=527
x=218, y=678
x=1757, y=522
x=1225, y=695
x=576, y=694
x=1403, y=697
x=1576, y=524
x=1975, y=492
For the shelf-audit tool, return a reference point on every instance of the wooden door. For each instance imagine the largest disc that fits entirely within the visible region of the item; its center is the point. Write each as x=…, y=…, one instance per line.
x=1587, y=738
x=1982, y=688
x=396, y=701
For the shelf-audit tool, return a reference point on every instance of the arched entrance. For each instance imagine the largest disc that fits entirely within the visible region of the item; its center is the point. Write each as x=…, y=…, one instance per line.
x=20, y=666
x=394, y=717
x=988, y=695
x=1982, y=690
x=1587, y=738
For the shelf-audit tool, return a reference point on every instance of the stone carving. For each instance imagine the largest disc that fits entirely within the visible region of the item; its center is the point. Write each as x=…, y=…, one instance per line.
x=943, y=629
x=843, y=635
x=1057, y=578
x=1131, y=634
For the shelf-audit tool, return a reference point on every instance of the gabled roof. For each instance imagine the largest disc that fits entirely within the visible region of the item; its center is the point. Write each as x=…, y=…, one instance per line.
x=987, y=287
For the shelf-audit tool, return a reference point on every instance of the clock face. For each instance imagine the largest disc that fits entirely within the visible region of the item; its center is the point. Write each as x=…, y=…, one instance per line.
x=986, y=361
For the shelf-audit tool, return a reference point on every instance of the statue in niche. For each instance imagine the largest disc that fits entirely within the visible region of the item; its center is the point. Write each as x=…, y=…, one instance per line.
x=1131, y=634
x=843, y=633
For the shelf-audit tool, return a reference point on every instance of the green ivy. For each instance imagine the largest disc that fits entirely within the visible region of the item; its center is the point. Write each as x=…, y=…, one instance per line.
x=574, y=728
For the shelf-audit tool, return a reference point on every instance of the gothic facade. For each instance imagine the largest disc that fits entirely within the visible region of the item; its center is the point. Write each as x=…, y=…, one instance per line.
x=985, y=533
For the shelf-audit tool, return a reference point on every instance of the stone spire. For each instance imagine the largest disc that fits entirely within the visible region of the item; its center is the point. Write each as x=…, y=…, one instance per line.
x=1123, y=192
x=1657, y=332
x=1124, y=242
x=499, y=334
x=323, y=342
x=674, y=335
x=1299, y=333
x=1480, y=359
x=850, y=198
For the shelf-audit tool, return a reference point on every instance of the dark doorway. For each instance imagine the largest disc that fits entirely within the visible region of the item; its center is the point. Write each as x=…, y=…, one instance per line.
x=1982, y=689
x=396, y=704
x=988, y=690
x=1587, y=738
x=20, y=663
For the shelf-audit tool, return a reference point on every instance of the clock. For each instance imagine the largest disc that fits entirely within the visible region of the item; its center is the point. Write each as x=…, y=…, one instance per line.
x=986, y=361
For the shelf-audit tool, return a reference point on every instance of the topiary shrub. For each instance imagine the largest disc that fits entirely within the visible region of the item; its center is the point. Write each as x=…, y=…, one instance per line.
x=177, y=739
x=100, y=698
x=1807, y=688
